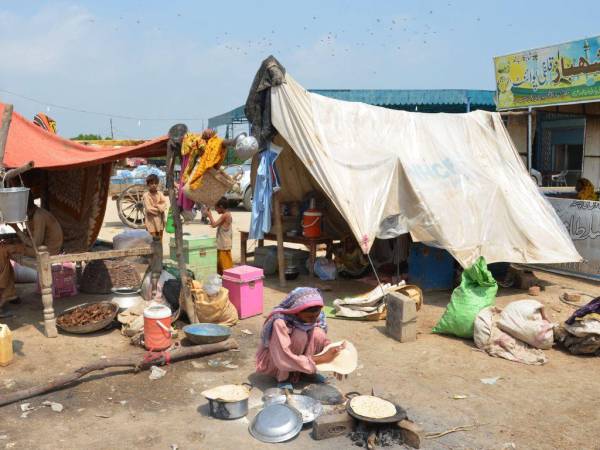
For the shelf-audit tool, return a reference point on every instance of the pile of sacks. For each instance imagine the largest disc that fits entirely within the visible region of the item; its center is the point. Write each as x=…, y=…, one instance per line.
x=580, y=334
x=520, y=332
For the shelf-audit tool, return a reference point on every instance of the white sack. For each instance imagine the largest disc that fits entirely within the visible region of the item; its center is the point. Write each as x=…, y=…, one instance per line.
x=495, y=342
x=452, y=180
x=131, y=239
x=525, y=320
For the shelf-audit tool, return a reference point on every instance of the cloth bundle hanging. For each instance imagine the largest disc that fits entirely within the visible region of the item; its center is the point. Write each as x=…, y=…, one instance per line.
x=205, y=183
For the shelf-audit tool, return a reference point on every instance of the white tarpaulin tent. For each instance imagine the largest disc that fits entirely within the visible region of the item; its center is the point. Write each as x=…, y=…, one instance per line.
x=451, y=180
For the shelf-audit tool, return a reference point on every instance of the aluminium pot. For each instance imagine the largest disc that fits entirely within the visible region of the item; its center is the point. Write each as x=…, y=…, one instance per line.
x=229, y=410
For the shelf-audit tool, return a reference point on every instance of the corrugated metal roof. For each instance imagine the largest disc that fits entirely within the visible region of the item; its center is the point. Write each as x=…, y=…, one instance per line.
x=405, y=97
x=394, y=98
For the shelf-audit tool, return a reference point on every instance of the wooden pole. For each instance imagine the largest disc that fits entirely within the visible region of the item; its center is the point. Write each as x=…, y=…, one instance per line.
x=6, y=118
x=45, y=271
x=279, y=234
x=137, y=362
x=185, y=299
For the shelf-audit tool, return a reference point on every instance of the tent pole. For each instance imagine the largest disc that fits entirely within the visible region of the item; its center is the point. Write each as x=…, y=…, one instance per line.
x=188, y=303
x=529, y=140
x=279, y=233
x=6, y=118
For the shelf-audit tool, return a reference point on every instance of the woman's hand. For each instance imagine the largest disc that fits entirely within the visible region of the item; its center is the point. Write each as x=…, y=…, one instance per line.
x=329, y=355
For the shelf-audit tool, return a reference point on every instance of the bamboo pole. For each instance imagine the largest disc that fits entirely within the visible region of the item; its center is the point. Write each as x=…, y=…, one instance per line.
x=173, y=146
x=6, y=119
x=279, y=234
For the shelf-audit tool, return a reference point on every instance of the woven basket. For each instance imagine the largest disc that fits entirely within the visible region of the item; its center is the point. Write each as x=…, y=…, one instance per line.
x=215, y=183
x=100, y=276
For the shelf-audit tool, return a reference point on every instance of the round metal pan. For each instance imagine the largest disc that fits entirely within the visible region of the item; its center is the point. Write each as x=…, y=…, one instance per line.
x=399, y=416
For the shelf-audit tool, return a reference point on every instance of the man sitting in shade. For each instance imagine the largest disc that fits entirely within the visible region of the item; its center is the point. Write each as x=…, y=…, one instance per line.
x=45, y=231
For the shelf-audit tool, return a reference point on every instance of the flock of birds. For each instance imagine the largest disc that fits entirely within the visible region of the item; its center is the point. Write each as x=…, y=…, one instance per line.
x=390, y=33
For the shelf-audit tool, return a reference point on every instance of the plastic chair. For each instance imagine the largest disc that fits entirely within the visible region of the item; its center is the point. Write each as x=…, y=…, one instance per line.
x=560, y=179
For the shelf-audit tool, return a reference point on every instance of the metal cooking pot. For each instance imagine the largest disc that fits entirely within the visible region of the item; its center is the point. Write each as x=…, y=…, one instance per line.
x=220, y=409
x=126, y=297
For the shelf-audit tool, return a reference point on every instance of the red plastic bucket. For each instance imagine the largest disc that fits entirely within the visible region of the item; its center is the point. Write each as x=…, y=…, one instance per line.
x=157, y=327
x=311, y=223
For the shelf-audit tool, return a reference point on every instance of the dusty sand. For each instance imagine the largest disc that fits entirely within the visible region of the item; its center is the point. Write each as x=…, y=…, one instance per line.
x=553, y=406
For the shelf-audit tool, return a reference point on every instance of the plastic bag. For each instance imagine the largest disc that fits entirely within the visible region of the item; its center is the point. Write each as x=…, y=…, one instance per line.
x=24, y=274
x=524, y=320
x=212, y=285
x=325, y=269
x=477, y=290
x=170, y=226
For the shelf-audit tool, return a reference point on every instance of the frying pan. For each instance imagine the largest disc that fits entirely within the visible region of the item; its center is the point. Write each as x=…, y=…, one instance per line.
x=399, y=416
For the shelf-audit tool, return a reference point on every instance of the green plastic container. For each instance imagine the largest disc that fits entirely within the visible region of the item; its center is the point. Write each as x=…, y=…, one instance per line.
x=200, y=254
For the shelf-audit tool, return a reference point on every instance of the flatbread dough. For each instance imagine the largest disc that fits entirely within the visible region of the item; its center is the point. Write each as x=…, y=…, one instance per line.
x=227, y=393
x=344, y=363
x=372, y=407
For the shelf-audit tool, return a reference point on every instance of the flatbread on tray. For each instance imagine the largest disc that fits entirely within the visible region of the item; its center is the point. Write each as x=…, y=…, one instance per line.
x=344, y=363
x=372, y=407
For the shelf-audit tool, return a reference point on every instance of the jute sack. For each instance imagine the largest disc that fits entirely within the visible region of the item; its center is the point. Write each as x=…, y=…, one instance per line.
x=213, y=309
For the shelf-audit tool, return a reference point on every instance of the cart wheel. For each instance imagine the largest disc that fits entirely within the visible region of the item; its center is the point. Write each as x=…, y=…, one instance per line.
x=130, y=206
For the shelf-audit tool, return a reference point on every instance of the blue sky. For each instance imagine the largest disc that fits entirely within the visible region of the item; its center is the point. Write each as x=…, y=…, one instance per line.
x=149, y=64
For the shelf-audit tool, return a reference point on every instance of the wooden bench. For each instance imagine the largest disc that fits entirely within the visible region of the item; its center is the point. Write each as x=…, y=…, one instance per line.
x=44, y=266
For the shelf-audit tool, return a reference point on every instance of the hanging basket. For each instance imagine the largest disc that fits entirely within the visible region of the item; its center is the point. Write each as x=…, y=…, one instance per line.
x=215, y=183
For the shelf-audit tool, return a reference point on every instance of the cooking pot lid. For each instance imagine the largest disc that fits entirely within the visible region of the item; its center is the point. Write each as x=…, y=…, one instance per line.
x=276, y=423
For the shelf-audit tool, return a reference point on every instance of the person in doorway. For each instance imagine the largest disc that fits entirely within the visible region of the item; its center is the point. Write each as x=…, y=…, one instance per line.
x=45, y=231
x=585, y=190
x=291, y=338
x=155, y=205
x=224, y=234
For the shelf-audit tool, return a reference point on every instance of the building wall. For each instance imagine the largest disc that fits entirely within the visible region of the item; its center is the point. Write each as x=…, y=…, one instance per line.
x=517, y=129
x=591, y=150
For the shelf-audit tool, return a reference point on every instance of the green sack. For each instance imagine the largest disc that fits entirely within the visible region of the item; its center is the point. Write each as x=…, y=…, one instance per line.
x=477, y=290
x=170, y=227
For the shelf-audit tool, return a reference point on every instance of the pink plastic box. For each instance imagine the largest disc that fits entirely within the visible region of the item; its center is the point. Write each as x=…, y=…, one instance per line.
x=245, y=285
x=64, y=280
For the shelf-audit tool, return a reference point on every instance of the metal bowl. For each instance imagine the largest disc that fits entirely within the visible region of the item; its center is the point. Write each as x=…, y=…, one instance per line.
x=206, y=333
x=276, y=423
x=90, y=327
x=126, y=297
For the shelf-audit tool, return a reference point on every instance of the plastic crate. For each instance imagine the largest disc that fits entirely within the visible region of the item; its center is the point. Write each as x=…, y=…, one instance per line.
x=198, y=251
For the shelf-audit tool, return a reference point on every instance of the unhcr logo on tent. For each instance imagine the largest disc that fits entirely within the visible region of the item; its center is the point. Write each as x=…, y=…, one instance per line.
x=436, y=171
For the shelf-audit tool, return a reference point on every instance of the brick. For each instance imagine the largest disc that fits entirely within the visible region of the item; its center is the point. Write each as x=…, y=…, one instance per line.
x=401, y=317
x=412, y=434
x=325, y=427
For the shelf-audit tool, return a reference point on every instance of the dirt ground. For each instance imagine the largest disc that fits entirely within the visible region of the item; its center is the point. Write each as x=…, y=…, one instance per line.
x=530, y=407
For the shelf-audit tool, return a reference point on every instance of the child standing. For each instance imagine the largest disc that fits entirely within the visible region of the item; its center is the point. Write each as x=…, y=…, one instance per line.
x=224, y=235
x=155, y=205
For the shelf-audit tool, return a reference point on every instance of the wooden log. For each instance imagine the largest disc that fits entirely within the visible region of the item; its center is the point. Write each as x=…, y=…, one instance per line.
x=6, y=119
x=45, y=271
x=279, y=234
x=137, y=362
x=185, y=298
x=104, y=254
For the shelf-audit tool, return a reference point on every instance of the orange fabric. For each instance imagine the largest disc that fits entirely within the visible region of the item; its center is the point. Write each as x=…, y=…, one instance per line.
x=29, y=142
x=224, y=261
x=214, y=155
